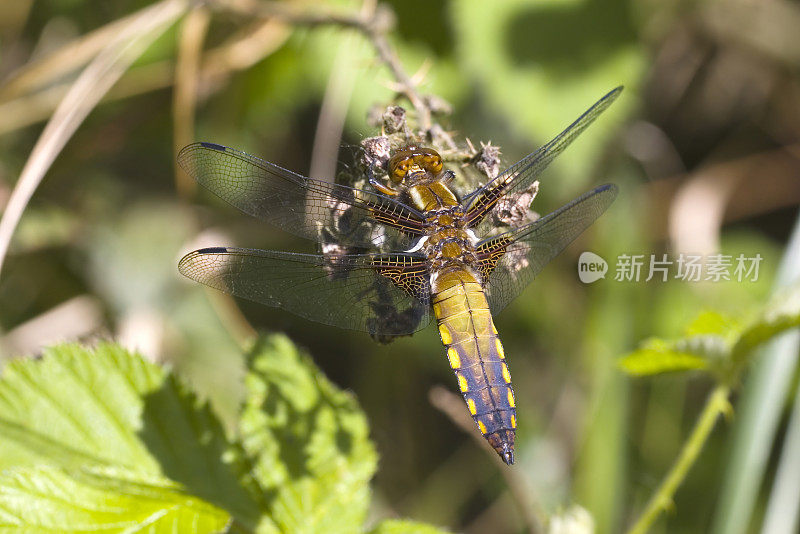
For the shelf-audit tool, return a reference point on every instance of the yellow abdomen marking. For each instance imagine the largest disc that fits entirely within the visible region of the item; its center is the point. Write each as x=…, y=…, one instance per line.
x=455, y=359
x=506, y=374
x=471, y=405
x=499, y=347
x=445, y=333
x=462, y=384
x=481, y=427
x=513, y=421
x=494, y=328
x=511, y=398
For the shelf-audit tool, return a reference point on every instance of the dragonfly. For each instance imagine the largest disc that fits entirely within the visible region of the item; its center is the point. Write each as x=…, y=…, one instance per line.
x=411, y=250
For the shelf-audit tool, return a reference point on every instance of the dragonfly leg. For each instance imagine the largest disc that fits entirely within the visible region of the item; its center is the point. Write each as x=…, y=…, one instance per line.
x=381, y=188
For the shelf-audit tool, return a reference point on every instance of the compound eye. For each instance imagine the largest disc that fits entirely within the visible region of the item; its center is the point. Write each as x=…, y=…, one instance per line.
x=435, y=164
x=399, y=172
x=430, y=160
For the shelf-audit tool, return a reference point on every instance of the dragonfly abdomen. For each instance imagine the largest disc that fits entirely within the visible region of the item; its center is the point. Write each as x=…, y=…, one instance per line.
x=477, y=358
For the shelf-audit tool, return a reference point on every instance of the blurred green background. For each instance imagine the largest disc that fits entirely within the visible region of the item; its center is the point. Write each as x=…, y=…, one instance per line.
x=703, y=144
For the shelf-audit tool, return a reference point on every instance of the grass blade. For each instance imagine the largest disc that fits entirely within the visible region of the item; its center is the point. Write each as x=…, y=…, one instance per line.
x=94, y=82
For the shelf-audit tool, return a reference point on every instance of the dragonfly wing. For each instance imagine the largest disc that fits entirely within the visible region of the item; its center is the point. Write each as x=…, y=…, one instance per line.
x=523, y=173
x=300, y=205
x=512, y=260
x=382, y=294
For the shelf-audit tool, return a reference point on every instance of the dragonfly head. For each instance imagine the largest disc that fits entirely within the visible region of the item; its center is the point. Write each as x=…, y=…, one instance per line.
x=412, y=161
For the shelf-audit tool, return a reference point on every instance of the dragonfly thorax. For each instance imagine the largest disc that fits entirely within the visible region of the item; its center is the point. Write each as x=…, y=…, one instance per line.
x=450, y=248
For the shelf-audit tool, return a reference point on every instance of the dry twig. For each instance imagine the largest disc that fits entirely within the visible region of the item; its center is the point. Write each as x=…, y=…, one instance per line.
x=453, y=407
x=184, y=97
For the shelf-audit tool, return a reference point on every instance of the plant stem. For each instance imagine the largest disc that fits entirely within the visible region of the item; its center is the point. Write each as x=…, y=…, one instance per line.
x=716, y=404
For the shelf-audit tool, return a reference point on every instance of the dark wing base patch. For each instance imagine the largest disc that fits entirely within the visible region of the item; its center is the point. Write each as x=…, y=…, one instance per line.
x=513, y=259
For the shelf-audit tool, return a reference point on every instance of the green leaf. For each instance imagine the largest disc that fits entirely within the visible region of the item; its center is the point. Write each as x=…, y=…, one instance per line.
x=103, y=440
x=716, y=341
x=657, y=356
x=109, y=409
x=782, y=313
x=396, y=526
x=74, y=407
x=308, y=442
x=50, y=499
x=707, y=345
x=713, y=323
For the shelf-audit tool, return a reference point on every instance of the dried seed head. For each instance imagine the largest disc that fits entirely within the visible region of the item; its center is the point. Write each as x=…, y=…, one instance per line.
x=391, y=322
x=377, y=151
x=334, y=250
x=488, y=160
x=394, y=119
x=335, y=260
x=514, y=209
x=517, y=260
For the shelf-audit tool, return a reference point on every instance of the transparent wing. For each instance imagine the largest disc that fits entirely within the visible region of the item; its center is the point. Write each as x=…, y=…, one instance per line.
x=522, y=253
x=296, y=204
x=523, y=173
x=353, y=291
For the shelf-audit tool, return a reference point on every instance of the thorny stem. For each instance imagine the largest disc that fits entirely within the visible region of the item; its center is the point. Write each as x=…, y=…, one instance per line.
x=375, y=25
x=716, y=405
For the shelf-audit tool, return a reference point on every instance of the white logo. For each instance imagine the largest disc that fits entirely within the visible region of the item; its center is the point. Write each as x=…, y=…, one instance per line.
x=591, y=267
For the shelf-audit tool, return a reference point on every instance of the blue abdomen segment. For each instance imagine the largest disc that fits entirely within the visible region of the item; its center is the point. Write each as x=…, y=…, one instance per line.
x=478, y=360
